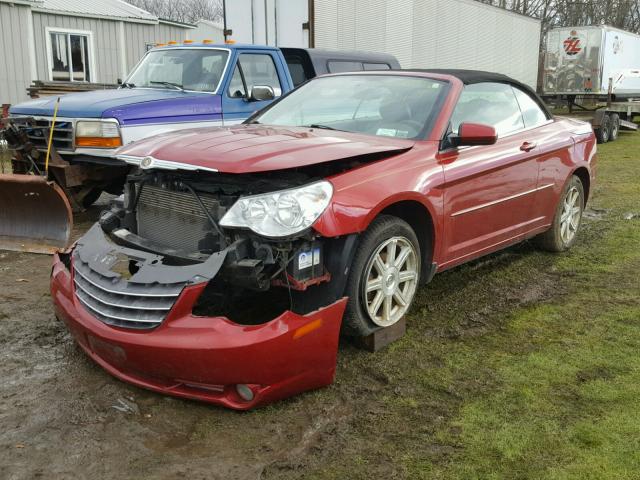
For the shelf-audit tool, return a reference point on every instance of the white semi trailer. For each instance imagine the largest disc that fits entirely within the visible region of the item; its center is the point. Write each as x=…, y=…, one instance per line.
x=420, y=33
x=596, y=70
x=589, y=60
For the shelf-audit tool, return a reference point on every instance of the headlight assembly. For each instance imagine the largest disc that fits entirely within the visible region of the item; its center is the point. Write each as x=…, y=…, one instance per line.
x=282, y=213
x=97, y=134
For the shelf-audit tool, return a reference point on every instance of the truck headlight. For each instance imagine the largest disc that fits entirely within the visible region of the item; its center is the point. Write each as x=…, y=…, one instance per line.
x=282, y=213
x=97, y=134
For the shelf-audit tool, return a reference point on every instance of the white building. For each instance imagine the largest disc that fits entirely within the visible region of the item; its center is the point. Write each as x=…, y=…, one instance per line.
x=419, y=33
x=207, y=30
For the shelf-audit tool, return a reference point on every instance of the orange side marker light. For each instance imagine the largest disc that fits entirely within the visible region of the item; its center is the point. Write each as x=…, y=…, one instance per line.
x=308, y=328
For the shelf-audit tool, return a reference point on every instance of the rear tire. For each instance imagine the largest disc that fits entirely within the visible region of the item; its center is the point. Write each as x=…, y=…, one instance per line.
x=615, y=127
x=604, y=131
x=384, y=277
x=566, y=222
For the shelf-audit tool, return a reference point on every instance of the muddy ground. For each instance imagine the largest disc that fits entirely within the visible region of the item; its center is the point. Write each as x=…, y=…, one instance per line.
x=64, y=417
x=388, y=415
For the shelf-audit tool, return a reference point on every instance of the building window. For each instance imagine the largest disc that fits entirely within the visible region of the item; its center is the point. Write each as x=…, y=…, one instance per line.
x=70, y=56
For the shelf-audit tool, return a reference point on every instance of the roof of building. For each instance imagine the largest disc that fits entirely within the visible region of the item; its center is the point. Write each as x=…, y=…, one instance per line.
x=112, y=9
x=211, y=23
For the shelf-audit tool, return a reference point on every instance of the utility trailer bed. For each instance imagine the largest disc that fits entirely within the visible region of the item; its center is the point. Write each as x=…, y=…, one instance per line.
x=607, y=120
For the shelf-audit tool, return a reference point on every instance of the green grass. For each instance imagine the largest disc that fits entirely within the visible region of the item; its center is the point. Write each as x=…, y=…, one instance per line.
x=522, y=365
x=5, y=161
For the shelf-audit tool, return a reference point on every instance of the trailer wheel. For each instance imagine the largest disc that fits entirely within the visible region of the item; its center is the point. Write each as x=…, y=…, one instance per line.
x=615, y=127
x=603, y=132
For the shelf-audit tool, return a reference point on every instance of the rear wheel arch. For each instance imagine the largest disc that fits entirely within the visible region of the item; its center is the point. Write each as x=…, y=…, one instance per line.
x=585, y=178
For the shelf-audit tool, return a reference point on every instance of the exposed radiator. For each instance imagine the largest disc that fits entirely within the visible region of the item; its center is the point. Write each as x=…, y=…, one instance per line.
x=175, y=219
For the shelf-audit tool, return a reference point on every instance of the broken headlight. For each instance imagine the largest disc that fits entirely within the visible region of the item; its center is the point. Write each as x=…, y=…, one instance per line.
x=282, y=213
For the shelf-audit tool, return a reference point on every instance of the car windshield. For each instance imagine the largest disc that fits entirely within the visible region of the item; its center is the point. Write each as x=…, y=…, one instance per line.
x=198, y=69
x=384, y=105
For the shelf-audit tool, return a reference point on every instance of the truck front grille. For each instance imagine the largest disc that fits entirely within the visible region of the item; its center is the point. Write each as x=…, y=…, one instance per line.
x=121, y=303
x=38, y=133
x=175, y=219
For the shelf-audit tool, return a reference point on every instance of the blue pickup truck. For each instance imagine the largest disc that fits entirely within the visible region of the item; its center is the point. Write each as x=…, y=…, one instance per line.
x=172, y=87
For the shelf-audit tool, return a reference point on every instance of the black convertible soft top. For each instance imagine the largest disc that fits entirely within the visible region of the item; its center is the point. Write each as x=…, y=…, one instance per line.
x=469, y=77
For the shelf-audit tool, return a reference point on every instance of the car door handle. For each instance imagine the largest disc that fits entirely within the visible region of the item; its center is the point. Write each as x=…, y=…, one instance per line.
x=528, y=146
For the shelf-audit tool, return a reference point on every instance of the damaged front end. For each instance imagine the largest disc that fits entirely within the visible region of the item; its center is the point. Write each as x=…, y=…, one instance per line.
x=172, y=292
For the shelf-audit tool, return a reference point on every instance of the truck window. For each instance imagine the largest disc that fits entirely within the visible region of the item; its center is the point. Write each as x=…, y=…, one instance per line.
x=296, y=70
x=376, y=66
x=339, y=66
x=490, y=104
x=258, y=69
x=193, y=69
x=531, y=111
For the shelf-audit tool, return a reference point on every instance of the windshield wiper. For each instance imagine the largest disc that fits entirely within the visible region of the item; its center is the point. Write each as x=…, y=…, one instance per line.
x=317, y=125
x=128, y=85
x=169, y=84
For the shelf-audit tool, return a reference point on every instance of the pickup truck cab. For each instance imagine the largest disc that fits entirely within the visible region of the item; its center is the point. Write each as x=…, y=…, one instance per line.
x=172, y=87
x=185, y=86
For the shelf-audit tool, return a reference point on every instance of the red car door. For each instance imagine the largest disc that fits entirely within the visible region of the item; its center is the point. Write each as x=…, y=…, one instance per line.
x=553, y=150
x=489, y=190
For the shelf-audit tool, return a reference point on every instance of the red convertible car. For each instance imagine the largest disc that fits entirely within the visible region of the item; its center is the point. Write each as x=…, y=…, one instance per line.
x=237, y=256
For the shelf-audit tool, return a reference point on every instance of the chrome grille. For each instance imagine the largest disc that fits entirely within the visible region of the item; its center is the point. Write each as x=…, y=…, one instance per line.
x=174, y=219
x=121, y=303
x=38, y=133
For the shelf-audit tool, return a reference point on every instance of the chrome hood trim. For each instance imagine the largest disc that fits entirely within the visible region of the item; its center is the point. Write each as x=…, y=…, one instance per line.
x=149, y=162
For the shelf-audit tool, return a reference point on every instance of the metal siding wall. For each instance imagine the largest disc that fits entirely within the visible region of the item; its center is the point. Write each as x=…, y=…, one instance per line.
x=424, y=51
x=15, y=74
x=367, y=31
x=347, y=24
x=399, y=30
x=433, y=34
x=326, y=23
x=105, y=43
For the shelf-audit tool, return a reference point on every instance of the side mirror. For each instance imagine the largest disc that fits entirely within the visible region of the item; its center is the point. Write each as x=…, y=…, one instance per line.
x=259, y=93
x=470, y=134
x=119, y=81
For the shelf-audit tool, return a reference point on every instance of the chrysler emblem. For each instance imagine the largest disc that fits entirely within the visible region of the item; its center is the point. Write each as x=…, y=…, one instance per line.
x=147, y=162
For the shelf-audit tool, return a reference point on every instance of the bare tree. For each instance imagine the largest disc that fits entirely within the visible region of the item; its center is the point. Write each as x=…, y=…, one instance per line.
x=186, y=11
x=623, y=14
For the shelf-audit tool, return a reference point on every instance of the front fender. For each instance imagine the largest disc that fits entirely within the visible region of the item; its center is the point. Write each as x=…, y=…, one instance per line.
x=360, y=195
x=346, y=216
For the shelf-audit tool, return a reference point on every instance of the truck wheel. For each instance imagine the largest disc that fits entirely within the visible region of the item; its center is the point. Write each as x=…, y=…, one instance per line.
x=602, y=132
x=384, y=277
x=615, y=127
x=564, y=229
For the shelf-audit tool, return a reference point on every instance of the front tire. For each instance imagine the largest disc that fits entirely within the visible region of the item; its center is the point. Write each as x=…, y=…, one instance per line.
x=384, y=276
x=564, y=230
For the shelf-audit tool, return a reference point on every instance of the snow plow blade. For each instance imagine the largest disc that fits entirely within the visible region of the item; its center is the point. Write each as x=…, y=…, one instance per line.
x=35, y=215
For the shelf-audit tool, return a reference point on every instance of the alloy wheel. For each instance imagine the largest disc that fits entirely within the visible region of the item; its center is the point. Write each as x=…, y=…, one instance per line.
x=571, y=214
x=390, y=281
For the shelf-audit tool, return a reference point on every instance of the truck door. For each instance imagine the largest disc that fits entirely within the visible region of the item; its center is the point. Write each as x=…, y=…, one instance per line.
x=252, y=68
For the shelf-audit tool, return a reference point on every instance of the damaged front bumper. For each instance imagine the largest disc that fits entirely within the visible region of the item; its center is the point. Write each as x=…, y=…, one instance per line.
x=155, y=341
